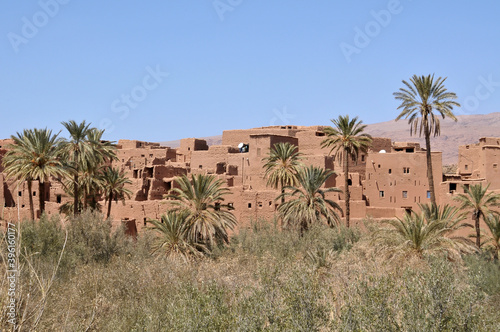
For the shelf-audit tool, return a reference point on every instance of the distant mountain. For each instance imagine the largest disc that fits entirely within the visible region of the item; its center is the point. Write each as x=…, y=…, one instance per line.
x=211, y=140
x=467, y=130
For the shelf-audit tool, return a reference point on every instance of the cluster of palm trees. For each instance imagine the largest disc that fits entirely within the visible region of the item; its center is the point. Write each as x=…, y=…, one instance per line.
x=424, y=101
x=305, y=186
x=81, y=163
x=197, y=222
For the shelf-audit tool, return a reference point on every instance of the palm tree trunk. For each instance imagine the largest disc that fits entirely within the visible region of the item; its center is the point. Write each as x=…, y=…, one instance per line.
x=41, y=196
x=75, y=186
x=346, y=191
x=430, y=176
x=75, y=193
x=478, y=230
x=30, y=194
x=85, y=198
x=109, y=204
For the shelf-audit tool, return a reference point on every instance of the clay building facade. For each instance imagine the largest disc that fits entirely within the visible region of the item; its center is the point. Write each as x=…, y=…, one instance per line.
x=384, y=182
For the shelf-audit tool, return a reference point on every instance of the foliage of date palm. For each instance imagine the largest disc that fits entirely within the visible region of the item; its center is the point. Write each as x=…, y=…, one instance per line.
x=430, y=231
x=172, y=239
x=423, y=101
x=208, y=220
x=34, y=156
x=307, y=202
x=282, y=165
x=479, y=201
x=493, y=239
x=78, y=153
x=113, y=183
x=346, y=140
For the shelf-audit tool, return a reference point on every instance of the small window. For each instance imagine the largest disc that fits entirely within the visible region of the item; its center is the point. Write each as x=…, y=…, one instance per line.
x=466, y=167
x=349, y=182
x=200, y=166
x=378, y=165
x=495, y=165
x=406, y=170
x=381, y=193
x=362, y=158
x=58, y=199
x=249, y=205
x=428, y=194
x=151, y=156
x=217, y=206
x=390, y=171
x=20, y=193
x=270, y=203
x=405, y=194
x=143, y=156
x=34, y=193
x=259, y=204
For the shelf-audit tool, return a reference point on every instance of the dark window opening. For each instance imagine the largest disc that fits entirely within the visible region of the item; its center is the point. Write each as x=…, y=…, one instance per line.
x=410, y=150
x=390, y=171
x=20, y=193
x=349, y=182
x=249, y=205
x=149, y=172
x=381, y=193
x=453, y=187
x=136, y=172
x=145, y=221
x=378, y=165
x=362, y=157
x=58, y=199
x=34, y=193
x=200, y=166
x=259, y=204
x=142, y=156
x=408, y=210
x=320, y=134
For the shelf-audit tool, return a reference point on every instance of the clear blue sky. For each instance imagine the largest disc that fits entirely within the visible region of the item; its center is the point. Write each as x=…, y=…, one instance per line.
x=162, y=70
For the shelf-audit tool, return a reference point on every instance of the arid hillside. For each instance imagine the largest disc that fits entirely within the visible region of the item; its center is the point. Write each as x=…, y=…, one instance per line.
x=468, y=129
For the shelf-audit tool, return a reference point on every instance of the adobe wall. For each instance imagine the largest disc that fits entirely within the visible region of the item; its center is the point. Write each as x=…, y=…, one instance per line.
x=399, y=180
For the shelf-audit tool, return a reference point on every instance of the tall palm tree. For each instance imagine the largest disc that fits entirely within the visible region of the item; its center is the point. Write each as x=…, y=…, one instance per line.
x=103, y=152
x=478, y=200
x=113, y=184
x=172, y=240
x=493, y=223
x=208, y=220
x=78, y=152
x=35, y=155
x=282, y=165
x=421, y=98
x=346, y=139
x=308, y=204
x=431, y=230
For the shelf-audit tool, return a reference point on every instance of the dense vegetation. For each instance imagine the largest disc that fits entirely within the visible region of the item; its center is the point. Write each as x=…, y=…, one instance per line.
x=269, y=280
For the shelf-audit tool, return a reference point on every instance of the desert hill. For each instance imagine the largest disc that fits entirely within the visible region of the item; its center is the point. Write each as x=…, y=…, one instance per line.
x=468, y=129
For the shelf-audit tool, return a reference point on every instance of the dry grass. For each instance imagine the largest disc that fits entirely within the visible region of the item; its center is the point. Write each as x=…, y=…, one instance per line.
x=265, y=280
